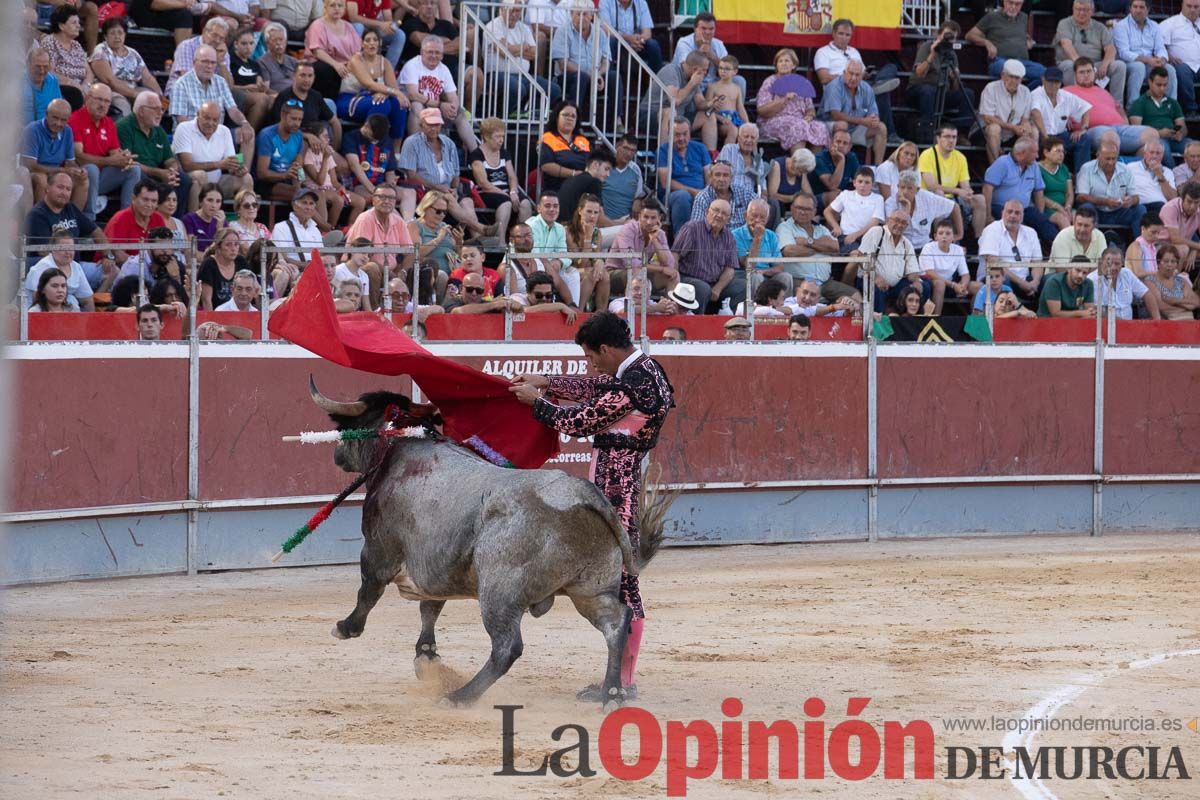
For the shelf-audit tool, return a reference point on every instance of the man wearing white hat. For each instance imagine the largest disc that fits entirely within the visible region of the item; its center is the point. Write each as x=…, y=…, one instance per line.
x=1005, y=106
x=679, y=300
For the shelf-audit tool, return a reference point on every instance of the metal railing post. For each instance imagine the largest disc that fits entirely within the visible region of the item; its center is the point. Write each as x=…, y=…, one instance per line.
x=194, y=297
x=872, y=438
x=510, y=285
x=1098, y=443
x=193, y=519
x=22, y=292
x=416, y=293
x=263, y=312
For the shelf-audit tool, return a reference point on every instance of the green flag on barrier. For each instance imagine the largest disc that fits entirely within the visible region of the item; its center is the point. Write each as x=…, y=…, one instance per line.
x=933, y=329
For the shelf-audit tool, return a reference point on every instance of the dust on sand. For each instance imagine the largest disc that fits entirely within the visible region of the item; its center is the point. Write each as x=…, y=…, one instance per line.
x=231, y=685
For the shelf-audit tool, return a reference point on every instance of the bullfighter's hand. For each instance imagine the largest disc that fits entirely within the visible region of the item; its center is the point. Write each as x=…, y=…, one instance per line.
x=536, y=381
x=526, y=393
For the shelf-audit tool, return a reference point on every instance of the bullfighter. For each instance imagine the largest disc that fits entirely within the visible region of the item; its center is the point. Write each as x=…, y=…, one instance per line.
x=624, y=409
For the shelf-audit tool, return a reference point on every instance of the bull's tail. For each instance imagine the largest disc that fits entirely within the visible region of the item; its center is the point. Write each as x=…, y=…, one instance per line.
x=603, y=509
x=654, y=503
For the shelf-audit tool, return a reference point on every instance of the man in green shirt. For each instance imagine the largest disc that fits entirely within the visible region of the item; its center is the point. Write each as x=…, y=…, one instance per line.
x=1068, y=293
x=142, y=134
x=1162, y=113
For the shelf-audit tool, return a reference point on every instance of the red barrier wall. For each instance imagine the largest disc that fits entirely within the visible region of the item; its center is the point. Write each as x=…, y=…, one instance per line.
x=107, y=430
x=951, y=416
x=1151, y=417
x=252, y=402
x=98, y=433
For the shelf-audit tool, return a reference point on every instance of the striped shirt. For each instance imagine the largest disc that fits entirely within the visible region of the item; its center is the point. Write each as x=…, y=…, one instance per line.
x=741, y=198
x=181, y=64
x=417, y=156
x=704, y=255
x=189, y=94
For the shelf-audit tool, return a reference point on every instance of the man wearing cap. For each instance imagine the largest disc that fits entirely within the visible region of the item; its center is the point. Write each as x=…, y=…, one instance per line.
x=1059, y=114
x=1080, y=36
x=1140, y=45
x=737, y=329
x=670, y=303
x=431, y=159
x=1004, y=33
x=1005, y=106
x=624, y=410
x=429, y=84
x=298, y=230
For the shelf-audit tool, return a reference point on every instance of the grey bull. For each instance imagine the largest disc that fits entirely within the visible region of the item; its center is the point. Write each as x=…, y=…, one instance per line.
x=443, y=524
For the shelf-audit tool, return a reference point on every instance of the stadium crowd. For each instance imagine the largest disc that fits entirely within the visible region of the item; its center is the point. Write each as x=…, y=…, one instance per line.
x=359, y=136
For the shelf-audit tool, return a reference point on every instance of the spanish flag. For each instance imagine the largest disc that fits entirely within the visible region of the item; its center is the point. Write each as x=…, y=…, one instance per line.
x=806, y=23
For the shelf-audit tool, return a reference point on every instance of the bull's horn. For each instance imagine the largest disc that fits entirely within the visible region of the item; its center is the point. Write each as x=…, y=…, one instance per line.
x=353, y=409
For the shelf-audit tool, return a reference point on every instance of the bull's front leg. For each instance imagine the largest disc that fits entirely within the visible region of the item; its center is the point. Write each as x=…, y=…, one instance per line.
x=426, y=642
x=369, y=592
x=502, y=620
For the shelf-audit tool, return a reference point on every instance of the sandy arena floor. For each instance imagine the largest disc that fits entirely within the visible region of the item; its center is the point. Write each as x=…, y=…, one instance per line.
x=231, y=685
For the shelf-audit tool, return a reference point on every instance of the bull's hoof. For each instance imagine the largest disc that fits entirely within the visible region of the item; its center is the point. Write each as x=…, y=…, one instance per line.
x=456, y=700
x=426, y=667
x=595, y=693
x=342, y=631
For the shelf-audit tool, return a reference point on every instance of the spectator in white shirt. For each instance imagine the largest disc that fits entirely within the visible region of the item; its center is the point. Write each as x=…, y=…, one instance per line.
x=244, y=292
x=944, y=263
x=1006, y=241
x=924, y=209
x=895, y=261
x=1181, y=36
x=207, y=154
x=1153, y=182
x=855, y=211
x=1118, y=288
x=1005, y=107
x=1060, y=114
x=298, y=230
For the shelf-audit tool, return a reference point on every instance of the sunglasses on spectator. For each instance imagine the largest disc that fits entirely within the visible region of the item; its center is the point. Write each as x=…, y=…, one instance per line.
x=250, y=204
x=1016, y=253
x=441, y=211
x=473, y=289
x=543, y=295
x=294, y=103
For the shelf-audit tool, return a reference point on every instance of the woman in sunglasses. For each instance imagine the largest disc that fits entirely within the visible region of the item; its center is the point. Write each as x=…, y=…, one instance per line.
x=247, y=227
x=437, y=242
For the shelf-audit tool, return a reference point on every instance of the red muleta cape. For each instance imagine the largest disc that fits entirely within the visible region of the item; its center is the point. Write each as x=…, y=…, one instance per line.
x=478, y=409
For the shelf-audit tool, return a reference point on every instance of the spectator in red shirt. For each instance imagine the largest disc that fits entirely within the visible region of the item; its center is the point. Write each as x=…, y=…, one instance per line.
x=134, y=223
x=108, y=165
x=472, y=264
